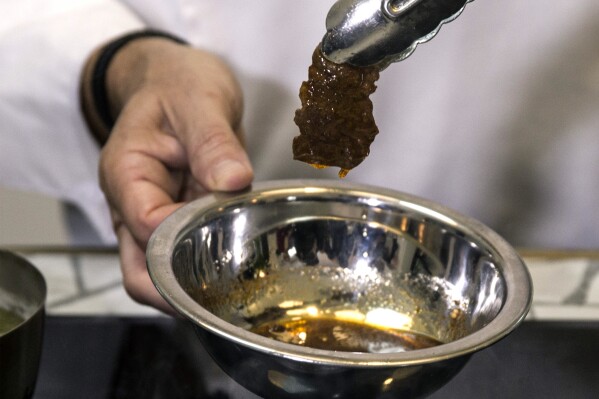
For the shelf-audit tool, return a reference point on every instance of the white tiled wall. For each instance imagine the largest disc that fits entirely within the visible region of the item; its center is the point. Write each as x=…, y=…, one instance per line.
x=86, y=284
x=90, y=283
x=565, y=289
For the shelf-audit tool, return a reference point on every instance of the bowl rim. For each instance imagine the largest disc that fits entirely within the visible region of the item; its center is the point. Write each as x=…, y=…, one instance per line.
x=517, y=278
x=29, y=274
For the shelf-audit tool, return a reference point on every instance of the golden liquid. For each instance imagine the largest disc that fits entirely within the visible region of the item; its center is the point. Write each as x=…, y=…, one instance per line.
x=342, y=335
x=8, y=320
x=342, y=172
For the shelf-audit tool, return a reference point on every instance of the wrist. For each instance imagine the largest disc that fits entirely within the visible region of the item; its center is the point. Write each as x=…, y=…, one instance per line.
x=114, y=72
x=132, y=67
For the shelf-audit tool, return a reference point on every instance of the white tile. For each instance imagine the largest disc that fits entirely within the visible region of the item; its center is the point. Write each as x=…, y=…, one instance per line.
x=561, y=312
x=531, y=314
x=555, y=280
x=114, y=302
x=58, y=272
x=99, y=270
x=593, y=294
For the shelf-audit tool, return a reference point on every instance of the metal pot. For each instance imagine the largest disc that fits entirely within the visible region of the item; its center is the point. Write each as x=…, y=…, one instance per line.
x=23, y=293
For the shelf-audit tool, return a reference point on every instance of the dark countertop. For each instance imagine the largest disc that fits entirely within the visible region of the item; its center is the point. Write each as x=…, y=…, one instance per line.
x=158, y=357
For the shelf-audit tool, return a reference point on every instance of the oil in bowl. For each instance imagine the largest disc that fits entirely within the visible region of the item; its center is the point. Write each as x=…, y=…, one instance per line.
x=8, y=320
x=337, y=334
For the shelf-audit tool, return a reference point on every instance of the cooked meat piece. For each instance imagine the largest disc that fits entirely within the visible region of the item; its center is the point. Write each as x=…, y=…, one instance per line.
x=336, y=122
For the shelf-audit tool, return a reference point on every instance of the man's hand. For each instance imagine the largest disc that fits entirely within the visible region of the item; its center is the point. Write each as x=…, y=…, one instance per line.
x=177, y=135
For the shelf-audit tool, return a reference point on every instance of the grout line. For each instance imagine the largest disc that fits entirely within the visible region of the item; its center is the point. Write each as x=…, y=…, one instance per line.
x=77, y=270
x=580, y=295
x=88, y=293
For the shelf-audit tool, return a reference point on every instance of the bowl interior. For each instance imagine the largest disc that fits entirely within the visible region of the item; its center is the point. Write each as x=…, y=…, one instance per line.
x=349, y=271
x=22, y=291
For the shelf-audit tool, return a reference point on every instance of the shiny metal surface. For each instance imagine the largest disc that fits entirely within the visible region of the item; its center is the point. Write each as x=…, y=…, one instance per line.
x=369, y=32
x=311, y=248
x=22, y=291
x=395, y=8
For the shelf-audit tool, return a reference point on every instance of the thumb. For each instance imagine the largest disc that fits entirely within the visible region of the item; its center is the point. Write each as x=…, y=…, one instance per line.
x=204, y=110
x=217, y=159
x=212, y=139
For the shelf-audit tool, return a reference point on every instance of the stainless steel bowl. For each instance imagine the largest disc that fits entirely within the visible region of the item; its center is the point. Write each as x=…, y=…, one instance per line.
x=385, y=272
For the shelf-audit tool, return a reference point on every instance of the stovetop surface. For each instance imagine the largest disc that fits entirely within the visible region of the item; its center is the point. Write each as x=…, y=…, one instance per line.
x=159, y=357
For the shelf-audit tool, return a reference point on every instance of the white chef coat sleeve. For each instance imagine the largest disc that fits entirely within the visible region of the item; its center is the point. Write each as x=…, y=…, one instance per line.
x=45, y=145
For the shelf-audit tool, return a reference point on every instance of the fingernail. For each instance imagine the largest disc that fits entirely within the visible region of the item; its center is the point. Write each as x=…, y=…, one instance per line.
x=231, y=175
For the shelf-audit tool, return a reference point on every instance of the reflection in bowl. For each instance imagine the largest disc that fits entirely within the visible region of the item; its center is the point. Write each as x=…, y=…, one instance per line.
x=318, y=289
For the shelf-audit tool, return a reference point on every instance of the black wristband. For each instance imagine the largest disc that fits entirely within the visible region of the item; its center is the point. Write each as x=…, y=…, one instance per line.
x=98, y=80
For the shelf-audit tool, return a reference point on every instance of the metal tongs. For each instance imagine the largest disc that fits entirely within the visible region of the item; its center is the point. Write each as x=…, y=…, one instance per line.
x=380, y=32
